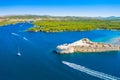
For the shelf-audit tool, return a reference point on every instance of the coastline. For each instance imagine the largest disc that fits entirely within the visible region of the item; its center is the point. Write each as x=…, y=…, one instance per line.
x=63, y=24
x=70, y=30
x=85, y=45
x=32, y=29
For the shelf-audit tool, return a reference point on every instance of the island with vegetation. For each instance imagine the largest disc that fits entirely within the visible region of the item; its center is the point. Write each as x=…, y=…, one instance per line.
x=85, y=45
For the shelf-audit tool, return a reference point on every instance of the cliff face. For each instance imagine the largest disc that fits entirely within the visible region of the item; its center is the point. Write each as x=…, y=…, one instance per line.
x=85, y=45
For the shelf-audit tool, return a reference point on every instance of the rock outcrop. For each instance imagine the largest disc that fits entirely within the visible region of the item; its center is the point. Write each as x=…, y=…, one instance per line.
x=85, y=45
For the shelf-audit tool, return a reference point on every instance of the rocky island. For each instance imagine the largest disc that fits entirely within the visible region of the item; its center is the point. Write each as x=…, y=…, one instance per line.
x=85, y=45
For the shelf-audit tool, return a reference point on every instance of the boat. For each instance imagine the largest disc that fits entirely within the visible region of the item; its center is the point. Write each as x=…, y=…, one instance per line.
x=18, y=54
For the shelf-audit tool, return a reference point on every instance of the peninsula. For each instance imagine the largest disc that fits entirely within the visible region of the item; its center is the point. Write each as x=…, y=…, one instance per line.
x=85, y=45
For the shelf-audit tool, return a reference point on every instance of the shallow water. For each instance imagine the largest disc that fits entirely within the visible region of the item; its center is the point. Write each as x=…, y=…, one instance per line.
x=38, y=62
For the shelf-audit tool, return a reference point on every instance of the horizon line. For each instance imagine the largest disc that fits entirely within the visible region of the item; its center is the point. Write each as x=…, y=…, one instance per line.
x=53, y=15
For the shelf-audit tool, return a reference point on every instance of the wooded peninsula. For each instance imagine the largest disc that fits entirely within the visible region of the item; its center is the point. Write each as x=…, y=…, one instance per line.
x=73, y=25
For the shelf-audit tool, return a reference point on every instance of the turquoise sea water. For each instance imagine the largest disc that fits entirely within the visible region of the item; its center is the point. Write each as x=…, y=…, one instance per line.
x=39, y=62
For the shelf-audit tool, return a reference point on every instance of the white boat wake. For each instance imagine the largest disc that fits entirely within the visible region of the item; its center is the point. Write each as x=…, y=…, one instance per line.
x=15, y=34
x=25, y=38
x=90, y=71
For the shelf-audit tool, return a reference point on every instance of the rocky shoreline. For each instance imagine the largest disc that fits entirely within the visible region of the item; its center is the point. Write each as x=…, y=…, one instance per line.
x=85, y=45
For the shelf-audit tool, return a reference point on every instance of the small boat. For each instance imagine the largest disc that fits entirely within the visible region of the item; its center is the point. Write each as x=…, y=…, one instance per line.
x=18, y=54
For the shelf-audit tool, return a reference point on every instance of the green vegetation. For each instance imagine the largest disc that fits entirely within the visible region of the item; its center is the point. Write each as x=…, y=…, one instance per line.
x=74, y=25
x=5, y=22
x=68, y=23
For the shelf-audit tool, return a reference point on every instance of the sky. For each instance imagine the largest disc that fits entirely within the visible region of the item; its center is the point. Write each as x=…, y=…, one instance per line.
x=88, y=8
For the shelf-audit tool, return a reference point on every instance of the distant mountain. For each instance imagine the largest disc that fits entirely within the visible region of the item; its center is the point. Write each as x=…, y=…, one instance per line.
x=59, y=17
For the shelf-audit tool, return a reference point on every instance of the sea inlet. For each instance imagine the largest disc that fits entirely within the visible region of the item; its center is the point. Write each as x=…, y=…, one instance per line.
x=37, y=61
